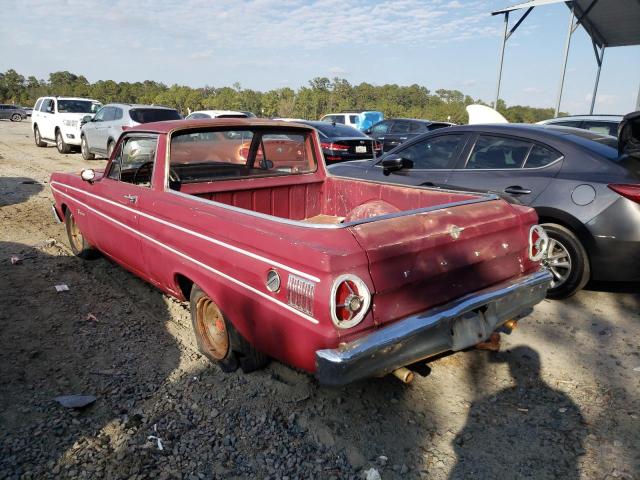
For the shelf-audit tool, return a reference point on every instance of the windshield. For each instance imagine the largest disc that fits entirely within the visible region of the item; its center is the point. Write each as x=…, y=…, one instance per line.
x=207, y=155
x=78, y=106
x=330, y=130
x=147, y=115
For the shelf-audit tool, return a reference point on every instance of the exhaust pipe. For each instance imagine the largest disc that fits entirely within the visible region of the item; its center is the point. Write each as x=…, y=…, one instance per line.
x=403, y=374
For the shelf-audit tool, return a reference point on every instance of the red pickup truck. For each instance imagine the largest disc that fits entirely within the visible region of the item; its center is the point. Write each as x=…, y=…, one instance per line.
x=343, y=278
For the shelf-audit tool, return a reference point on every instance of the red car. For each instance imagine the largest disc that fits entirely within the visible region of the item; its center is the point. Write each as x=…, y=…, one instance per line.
x=343, y=278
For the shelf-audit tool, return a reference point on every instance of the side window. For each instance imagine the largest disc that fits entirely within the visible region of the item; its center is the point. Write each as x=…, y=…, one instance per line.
x=603, y=128
x=541, y=157
x=353, y=119
x=382, y=127
x=117, y=114
x=134, y=161
x=37, y=107
x=99, y=117
x=336, y=118
x=416, y=127
x=109, y=114
x=568, y=123
x=400, y=127
x=433, y=153
x=497, y=153
x=47, y=105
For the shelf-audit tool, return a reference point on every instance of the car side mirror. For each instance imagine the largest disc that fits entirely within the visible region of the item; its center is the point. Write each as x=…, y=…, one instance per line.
x=86, y=119
x=88, y=175
x=368, y=131
x=395, y=163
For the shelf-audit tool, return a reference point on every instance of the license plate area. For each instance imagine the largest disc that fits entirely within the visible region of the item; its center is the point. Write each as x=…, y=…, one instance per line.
x=472, y=328
x=361, y=149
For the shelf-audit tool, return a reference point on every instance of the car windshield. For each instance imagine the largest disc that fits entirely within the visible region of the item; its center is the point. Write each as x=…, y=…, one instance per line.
x=331, y=130
x=147, y=115
x=212, y=154
x=78, y=106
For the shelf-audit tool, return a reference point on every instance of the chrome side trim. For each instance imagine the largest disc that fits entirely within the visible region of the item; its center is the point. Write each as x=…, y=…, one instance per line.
x=429, y=333
x=192, y=260
x=334, y=226
x=56, y=216
x=191, y=232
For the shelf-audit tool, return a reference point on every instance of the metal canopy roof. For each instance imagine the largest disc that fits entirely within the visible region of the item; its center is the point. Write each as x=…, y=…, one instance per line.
x=610, y=23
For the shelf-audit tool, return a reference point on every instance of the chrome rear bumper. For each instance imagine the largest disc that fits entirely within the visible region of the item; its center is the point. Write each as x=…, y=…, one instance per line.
x=455, y=326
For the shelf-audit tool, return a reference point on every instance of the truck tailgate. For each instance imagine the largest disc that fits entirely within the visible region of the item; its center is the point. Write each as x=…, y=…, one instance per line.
x=418, y=261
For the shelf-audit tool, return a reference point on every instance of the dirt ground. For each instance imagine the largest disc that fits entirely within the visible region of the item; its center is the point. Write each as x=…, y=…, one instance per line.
x=561, y=400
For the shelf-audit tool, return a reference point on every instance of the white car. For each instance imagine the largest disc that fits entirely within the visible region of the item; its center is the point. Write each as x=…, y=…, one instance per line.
x=58, y=120
x=603, y=124
x=359, y=119
x=216, y=114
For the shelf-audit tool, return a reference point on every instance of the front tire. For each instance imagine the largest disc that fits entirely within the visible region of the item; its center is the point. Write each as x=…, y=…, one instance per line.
x=567, y=261
x=217, y=338
x=16, y=117
x=79, y=245
x=37, y=138
x=84, y=149
x=60, y=143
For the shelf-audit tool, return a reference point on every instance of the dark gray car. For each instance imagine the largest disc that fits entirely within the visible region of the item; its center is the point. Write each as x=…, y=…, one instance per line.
x=586, y=194
x=14, y=113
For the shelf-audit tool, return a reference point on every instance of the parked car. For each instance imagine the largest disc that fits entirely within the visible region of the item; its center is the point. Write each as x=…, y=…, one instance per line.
x=586, y=195
x=14, y=113
x=341, y=143
x=200, y=114
x=101, y=131
x=357, y=118
x=27, y=110
x=394, y=131
x=344, y=278
x=58, y=120
x=602, y=124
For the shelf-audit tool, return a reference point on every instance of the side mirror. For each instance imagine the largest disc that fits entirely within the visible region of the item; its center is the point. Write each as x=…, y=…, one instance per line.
x=86, y=119
x=395, y=163
x=368, y=131
x=88, y=175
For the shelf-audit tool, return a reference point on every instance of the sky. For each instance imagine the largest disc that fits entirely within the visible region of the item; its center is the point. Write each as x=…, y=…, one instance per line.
x=266, y=44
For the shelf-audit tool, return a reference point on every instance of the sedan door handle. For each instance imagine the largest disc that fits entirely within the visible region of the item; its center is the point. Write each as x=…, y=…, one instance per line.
x=517, y=190
x=131, y=198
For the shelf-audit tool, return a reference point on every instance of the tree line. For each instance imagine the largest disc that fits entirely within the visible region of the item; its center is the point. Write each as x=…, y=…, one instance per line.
x=321, y=96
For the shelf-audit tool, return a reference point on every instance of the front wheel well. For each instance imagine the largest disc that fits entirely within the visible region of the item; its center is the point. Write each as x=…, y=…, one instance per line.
x=569, y=222
x=184, y=285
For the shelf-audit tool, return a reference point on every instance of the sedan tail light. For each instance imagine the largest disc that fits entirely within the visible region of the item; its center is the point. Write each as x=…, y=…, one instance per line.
x=377, y=146
x=350, y=300
x=334, y=146
x=632, y=192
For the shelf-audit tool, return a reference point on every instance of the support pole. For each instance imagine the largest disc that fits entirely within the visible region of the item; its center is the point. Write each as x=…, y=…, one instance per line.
x=567, y=43
x=595, y=87
x=504, y=42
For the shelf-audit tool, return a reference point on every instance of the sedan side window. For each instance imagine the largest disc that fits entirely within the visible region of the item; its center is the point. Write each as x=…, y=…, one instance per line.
x=433, y=153
x=99, y=117
x=604, y=128
x=541, y=157
x=382, y=127
x=109, y=114
x=134, y=161
x=497, y=153
x=401, y=127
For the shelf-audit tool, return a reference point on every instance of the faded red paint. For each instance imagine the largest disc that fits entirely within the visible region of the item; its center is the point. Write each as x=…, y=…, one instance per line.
x=410, y=263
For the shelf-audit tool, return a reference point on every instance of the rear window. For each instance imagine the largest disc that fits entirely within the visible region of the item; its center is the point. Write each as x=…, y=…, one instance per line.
x=77, y=106
x=147, y=115
x=338, y=130
x=207, y=155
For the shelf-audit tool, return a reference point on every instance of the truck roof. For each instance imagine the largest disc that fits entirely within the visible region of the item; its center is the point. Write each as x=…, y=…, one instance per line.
x=168, y=126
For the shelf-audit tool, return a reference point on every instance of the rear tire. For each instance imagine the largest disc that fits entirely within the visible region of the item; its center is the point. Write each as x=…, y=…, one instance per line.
x=16, y=117
x=37, y=138
x=567, y=261
x=217, y=338
x=79, y=245
x=60, y=143
x=84, y=149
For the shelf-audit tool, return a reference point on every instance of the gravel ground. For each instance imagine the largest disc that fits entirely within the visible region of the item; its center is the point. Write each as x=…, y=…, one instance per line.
x=561, y=400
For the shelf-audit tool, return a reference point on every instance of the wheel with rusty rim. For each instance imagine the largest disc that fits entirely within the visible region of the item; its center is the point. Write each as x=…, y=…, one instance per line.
x=79, y=245
x=217, y=338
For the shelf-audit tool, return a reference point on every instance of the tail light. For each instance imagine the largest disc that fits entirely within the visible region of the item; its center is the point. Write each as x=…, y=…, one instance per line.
x=334, y=146
x=377, y=146
x=332, y=158
x=632, y=192
x=350, y=300
x=538, y=242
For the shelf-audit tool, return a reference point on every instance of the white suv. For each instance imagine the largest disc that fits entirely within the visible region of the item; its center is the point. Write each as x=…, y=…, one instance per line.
x=57, y=120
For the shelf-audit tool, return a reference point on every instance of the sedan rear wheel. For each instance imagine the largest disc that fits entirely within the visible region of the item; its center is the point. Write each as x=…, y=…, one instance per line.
x=16, y=117
x=567, y=261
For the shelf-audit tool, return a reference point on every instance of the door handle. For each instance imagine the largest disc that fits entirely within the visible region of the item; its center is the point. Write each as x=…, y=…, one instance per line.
x=131, y=198
x=517, y=190
x=380, y=138
x=403, y=138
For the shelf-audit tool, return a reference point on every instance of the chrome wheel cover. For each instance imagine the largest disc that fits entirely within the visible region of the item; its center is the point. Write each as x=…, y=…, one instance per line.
x=558, y=261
